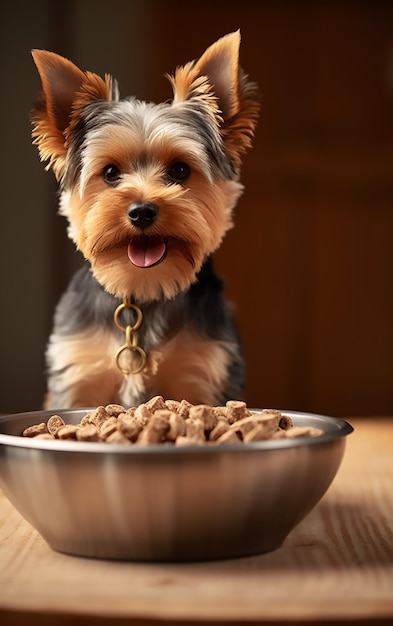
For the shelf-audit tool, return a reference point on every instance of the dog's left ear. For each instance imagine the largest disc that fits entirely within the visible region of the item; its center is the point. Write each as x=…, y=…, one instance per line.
x=218, y=83
x=66, y=91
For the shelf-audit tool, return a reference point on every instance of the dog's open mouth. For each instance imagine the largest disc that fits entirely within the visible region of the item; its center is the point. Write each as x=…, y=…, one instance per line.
x=147, y=251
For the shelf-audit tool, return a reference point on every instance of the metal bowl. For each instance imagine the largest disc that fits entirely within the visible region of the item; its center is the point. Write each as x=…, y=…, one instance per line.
x=166, y=503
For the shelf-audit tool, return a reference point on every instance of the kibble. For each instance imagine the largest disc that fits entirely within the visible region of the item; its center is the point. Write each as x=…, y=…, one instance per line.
x=54, y=423
x=173, y=422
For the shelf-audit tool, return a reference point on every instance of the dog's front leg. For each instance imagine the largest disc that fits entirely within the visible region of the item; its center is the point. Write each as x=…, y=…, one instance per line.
x=82, y=370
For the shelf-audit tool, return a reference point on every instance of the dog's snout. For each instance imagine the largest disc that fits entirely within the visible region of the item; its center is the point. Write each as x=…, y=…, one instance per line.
x=142, y=214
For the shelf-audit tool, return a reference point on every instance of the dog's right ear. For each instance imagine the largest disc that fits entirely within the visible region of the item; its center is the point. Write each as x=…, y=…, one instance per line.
x=66, y=90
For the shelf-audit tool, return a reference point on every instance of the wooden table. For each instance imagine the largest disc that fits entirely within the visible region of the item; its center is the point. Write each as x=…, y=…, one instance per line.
x=336, y=566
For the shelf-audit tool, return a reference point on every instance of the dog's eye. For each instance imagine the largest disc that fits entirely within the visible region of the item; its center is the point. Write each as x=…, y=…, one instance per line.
x=111, y=174
x=178, y=172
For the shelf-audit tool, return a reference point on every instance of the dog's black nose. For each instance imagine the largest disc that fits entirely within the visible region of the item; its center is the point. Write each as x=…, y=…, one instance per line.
x=142, y=214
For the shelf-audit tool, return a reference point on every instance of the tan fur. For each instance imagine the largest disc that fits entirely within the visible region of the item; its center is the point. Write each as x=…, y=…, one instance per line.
x=66, y=91
x=191, y=368
x=101, y=229
x=213, y=77
x=217, y=80
x=90, y=376
x=185, y=367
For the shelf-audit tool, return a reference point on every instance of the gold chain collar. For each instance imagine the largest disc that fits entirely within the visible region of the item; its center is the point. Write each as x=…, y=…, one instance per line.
x=131, y=339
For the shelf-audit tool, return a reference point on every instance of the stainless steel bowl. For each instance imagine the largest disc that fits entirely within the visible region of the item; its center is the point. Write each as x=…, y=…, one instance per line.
x=165, y=503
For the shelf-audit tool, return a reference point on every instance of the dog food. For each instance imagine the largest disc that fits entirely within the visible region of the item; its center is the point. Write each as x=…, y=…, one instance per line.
x=173, y=422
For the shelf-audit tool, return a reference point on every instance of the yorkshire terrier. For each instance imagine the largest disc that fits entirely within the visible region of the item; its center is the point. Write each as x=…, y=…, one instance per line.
x=148, y=191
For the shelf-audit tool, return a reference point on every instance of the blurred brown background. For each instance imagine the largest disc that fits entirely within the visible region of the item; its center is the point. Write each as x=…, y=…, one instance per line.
x=309, y=264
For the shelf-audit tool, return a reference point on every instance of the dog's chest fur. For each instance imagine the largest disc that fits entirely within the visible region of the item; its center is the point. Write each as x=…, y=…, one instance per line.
x=191, y=343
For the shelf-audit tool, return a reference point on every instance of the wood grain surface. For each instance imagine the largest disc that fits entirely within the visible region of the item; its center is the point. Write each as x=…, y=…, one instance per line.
x=336, y=565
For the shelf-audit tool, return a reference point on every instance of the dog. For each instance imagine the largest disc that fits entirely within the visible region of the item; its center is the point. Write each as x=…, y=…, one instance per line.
x=149, y=192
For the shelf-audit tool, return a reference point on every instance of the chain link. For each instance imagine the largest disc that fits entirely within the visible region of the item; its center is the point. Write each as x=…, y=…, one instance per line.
x=131, y=338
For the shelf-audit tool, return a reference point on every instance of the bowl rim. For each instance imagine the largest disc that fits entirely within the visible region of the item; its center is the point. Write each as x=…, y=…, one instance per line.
x=337, y=428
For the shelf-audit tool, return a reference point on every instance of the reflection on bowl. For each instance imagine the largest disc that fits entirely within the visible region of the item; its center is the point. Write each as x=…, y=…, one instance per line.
x=165, y=503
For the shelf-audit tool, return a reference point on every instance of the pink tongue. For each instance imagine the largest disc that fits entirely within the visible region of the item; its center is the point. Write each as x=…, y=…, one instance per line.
x=146, y=252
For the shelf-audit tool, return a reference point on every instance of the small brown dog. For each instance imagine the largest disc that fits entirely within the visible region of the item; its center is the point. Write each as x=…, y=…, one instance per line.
x=148, y=191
